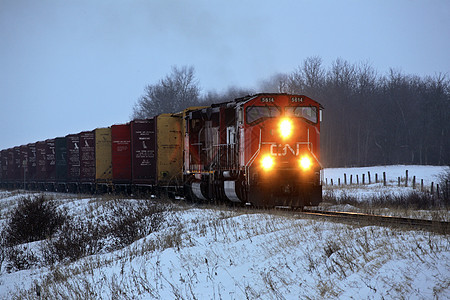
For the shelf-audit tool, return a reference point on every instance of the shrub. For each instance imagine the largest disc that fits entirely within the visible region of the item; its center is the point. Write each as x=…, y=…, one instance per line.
x=126, y=222
x=73, y=241
x=19, y=258
x=444, y=188
x=413, y=200
x=330, y=248
x=34, y=219
x=135, y=220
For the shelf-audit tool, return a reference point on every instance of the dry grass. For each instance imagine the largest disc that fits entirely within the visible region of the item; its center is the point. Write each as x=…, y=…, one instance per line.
x=413, y=204
x=208, y=245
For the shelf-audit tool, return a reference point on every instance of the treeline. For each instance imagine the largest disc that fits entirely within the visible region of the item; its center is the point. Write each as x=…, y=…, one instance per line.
x=372, y=119
x=369, y=119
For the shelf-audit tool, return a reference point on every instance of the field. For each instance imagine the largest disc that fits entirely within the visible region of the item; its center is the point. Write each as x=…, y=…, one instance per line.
x=133, y=249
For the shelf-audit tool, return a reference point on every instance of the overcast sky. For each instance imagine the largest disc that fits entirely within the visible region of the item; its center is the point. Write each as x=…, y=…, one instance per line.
x=70, y=66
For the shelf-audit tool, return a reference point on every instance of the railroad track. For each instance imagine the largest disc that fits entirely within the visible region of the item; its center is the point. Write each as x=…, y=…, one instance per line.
x=441, y=227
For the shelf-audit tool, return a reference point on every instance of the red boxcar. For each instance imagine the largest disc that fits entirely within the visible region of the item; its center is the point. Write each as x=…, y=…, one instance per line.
x=31, y=174
x=73, y=158
x=143, y=151
x=17, y=165
x=61, y=160
x=87, y=156
x=41, y=159
x=121, y=153
x=50, y=163
x=23, y=170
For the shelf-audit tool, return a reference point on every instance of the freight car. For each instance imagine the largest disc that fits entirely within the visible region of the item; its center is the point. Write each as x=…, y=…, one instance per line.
x=261, y=150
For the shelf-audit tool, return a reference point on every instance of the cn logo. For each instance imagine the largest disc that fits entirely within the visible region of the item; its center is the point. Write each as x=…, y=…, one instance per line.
x=280, y=150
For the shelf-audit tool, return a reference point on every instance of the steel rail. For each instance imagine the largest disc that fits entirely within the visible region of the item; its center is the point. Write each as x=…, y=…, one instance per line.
x=442, y=227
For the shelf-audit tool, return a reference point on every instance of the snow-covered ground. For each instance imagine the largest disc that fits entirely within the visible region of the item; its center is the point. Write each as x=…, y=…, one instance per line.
x=222, y=253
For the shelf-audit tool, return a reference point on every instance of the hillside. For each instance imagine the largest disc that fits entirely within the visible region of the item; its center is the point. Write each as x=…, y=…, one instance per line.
x=186, y=251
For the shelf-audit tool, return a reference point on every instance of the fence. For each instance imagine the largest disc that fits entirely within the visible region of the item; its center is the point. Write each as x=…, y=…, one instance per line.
x=434, y=189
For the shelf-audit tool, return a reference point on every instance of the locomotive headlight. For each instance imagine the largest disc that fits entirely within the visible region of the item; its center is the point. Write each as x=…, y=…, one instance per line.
x=267, y=162
x=285, y=128
x=305, y=163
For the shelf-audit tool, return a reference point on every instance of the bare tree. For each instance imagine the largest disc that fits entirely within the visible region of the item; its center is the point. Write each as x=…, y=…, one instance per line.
x=308, y=79
x=369, y=118
x=314, y=76
x=173, y=93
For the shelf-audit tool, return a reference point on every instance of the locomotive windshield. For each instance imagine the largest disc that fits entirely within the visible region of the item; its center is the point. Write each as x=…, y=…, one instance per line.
x=259, y=113
x=307, y=112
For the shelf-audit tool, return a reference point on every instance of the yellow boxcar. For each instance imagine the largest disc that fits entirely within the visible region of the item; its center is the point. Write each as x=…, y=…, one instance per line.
x=170, y=140
x=103, y=160
x=170, y=149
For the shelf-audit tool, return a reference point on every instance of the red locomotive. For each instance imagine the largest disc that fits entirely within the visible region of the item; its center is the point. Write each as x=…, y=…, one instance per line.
x=261, y=150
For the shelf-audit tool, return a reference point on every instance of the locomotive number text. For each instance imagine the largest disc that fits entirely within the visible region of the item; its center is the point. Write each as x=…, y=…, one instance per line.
x=296, y=99
x=267, y=99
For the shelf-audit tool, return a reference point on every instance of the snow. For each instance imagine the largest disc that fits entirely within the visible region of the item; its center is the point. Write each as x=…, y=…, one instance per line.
x=223, y=253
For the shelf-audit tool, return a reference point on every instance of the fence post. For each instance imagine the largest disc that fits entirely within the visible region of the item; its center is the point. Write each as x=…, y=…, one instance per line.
x=437, y=190
x=357, y=179
x=421, y=185
x=432, y=188
x=414, y=182
x=406, y=182
x=384, y=178
x=368, y=176
x=339, y=181
x=345, y=179
x=398, y=181
x=351, y=179
x=376, y=177
x=331, y=181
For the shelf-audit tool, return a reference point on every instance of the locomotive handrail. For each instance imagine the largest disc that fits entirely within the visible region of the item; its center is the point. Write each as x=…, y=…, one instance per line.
x=252, y=159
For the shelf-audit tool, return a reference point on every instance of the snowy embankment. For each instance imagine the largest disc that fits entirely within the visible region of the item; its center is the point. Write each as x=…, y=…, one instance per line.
x=219, y=253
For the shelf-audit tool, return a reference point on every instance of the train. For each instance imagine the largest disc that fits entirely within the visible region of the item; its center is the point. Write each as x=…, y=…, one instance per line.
x=261, y=150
